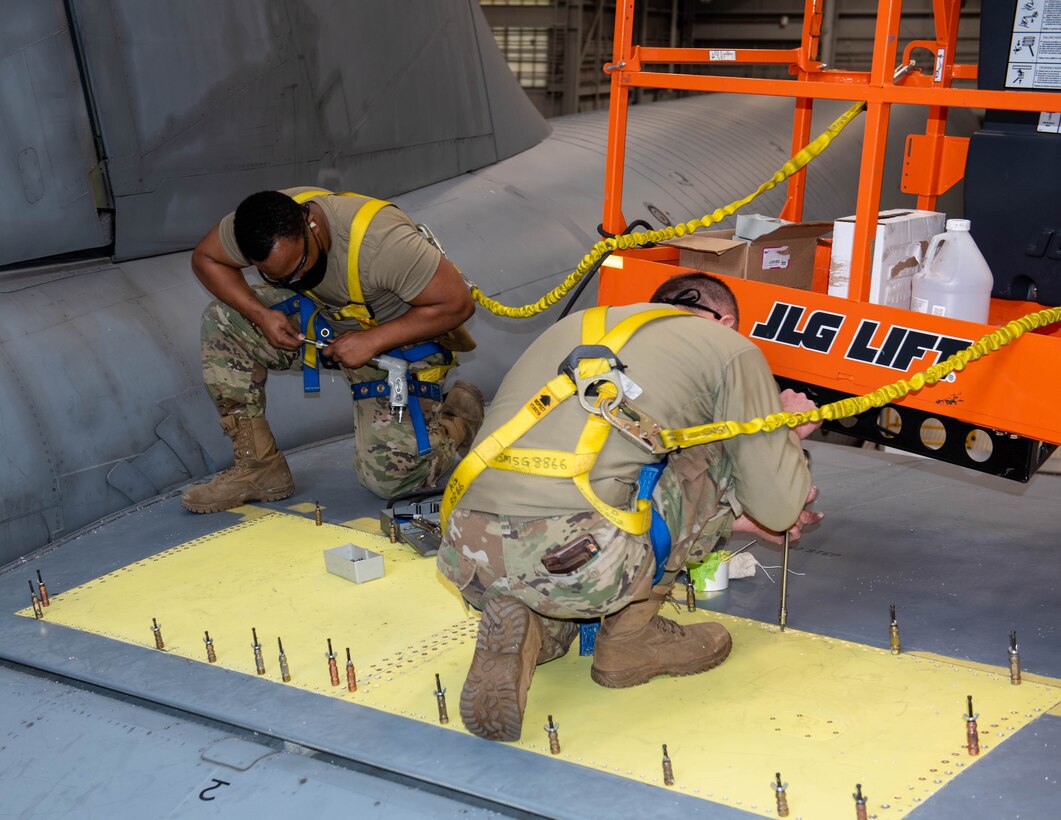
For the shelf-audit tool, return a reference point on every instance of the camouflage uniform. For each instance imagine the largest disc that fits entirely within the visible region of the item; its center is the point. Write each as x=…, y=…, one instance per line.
x=487, y=555
x=237, y=359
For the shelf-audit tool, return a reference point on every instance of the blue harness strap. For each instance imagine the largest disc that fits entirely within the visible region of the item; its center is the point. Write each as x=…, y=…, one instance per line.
x=587, y=637
x=316, y=327
x=658, y=532
x=313, y=328
x=379, y=388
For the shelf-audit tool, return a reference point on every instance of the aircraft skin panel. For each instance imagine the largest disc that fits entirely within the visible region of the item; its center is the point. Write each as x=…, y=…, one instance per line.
x=46, y=150
x=163, y=765
x=516, y=125
x=382, y=96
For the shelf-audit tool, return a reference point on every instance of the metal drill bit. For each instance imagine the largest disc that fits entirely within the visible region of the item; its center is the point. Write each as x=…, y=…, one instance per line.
x=668, y=771
x=782, y=615
x=1014, y=659
x=211, y=656
x=690, y=594
x=38, y=613
x=317, y=514
x=45, y=600
x=972, y=736
x=554, y=738
x=893, y=633
x=782, y=796
x=333, y=667
x=158, y=634
x=351, y=675
x=440, y=696
x=259, y=661
x=860, y=803
x=285, y=672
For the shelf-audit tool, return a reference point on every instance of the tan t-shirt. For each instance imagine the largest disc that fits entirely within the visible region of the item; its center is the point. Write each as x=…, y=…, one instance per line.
x=395, y=262
x=692, y=371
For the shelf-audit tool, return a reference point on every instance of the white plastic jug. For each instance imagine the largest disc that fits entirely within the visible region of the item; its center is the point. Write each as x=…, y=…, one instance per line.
x=955, y=280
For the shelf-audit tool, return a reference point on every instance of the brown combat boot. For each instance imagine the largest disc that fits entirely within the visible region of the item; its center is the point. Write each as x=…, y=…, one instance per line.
x=462, y=414
x=495, y=692
x=635, y=645
x=260, y=472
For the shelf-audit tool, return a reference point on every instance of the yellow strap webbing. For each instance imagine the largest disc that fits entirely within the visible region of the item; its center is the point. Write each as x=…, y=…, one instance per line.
x=309, y=352
x=495, y=451
x=356, y=308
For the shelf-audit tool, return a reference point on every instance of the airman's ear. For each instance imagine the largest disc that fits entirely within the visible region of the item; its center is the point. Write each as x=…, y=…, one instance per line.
x=728, y=321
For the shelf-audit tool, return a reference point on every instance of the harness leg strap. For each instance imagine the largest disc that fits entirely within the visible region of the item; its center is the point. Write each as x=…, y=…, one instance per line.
x=658, y=531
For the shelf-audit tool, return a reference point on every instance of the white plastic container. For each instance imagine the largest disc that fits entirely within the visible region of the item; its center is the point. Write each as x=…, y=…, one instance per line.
x=721, y=578
x=955, y=280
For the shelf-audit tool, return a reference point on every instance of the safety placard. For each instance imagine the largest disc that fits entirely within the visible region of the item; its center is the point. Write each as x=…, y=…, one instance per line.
x=1035, y=48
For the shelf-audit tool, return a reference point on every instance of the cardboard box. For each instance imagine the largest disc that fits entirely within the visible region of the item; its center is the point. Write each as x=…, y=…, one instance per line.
x=356, y=564
x=784, y=256
x=898, y=251
x=750, y=227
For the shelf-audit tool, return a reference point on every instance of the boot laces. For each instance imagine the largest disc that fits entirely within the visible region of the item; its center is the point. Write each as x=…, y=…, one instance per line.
x=666, y=625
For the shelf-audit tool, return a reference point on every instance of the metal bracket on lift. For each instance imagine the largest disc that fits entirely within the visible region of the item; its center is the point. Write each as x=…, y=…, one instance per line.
x=413, y=520
x=1010, y=456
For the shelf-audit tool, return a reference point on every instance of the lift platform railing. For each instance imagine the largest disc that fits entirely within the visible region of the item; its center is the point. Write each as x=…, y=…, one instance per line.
x=1006, y=403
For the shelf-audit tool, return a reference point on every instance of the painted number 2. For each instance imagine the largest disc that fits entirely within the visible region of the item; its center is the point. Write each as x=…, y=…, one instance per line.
x=217, y=784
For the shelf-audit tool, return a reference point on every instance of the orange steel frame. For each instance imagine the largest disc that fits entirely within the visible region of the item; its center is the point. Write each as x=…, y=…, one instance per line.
x=1016, y=389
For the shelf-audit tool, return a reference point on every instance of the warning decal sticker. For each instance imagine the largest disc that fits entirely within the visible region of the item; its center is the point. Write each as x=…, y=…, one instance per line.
x=1035, y=48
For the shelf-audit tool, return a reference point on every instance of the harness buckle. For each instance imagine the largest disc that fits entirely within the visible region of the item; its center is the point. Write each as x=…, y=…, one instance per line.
x=587, y=387
x=633, y=424
x=429, y=235
x=612, y=405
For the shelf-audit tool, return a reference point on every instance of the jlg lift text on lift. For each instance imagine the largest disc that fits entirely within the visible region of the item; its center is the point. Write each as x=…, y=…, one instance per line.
x=899, y=349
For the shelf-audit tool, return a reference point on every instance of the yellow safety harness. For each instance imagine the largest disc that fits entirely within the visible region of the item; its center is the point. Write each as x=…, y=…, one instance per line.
x=357, y=308
x=592, y=373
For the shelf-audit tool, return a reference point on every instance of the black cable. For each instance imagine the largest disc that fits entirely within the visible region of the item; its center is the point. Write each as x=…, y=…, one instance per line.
x=596, y=266
x=573, y=298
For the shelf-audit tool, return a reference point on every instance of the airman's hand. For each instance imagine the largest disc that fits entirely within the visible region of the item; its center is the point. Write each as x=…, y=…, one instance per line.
x=806, y=518
x=793, y=402
x=278, y=331
x=352, y=349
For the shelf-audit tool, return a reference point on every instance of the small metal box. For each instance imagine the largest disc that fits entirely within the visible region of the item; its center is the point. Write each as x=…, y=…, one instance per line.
x=356, y=564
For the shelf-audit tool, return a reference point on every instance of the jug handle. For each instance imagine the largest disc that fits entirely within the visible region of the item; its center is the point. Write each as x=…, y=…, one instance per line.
x=934, y=244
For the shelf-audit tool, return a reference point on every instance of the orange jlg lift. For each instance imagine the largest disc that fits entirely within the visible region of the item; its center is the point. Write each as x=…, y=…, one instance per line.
x=1010, y=396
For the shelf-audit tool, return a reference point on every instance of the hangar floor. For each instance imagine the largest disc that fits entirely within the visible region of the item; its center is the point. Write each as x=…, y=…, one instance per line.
x=97, y=722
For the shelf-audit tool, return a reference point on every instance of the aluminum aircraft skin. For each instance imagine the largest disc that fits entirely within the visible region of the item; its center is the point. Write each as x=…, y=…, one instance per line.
x=131, y=127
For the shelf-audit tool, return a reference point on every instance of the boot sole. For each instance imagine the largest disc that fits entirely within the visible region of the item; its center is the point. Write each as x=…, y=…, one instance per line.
x=636, y=677
x=489, y=704
x=277, y=495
